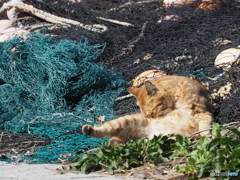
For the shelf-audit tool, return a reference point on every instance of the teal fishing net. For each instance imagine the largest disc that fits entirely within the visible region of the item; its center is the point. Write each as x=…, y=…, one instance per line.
x=50, y=88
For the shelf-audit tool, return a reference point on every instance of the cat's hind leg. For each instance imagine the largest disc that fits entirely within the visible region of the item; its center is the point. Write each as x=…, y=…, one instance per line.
x=116, y=141
x=204, y=122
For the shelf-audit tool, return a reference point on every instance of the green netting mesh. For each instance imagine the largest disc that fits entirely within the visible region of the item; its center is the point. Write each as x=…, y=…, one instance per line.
x=50, y=88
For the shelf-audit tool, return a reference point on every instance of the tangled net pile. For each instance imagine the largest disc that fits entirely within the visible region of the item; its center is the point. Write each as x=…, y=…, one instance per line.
x=179, y=40
x=50, y=88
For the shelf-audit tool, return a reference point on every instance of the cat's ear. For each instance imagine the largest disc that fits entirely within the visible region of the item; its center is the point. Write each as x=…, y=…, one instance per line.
x=133, y=90
x=150, y=88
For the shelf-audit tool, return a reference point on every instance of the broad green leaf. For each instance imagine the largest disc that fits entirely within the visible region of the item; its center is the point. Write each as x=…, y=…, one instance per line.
x=153, y=155
x=135, y=161
x=107, y=150
x=77, y=159
x=156, y=139
x=126, y=164
x=114, y=164
x=161, y=159
x=200, y=171
x=182, y=151
x=202, y=143
x=229, y=148
x=179, y=152
x=216, y=131
x=84, y=158
x=236, y=154
x=213, y=144
x=202, y=156
x=234, y=130
x=225, y=140
x=75, y=165
x=182, y=141
x=125, y=153
x=191, y=161
x=234, y=163
x=217, y=167
x=179, y=139
x=186, y=169
x=89, y=165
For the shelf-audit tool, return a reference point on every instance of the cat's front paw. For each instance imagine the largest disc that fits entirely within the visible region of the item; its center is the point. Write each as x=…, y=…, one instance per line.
x=87, y=129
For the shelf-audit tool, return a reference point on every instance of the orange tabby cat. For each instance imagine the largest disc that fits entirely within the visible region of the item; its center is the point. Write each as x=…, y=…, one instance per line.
x=135, y=126
x=158, y=97
x=169, y=105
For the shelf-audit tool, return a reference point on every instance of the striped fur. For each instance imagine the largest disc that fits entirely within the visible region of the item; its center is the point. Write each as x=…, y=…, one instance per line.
x=158, y=97
x=169, y=105
x=135, y=126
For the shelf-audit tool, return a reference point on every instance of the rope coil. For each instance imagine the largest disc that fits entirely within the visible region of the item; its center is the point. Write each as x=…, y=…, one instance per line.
x=18, y=4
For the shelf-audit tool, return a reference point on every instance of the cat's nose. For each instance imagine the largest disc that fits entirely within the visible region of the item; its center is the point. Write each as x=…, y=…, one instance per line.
x=148, y=114
x=153, y=114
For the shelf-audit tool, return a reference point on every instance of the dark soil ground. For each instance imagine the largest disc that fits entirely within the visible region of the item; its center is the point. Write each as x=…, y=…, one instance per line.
x=186, y=45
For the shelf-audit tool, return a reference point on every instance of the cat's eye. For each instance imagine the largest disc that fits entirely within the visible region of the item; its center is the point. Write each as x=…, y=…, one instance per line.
x=152, y=114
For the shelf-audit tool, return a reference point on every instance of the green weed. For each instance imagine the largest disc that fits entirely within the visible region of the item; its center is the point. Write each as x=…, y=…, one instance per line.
x=221, y=154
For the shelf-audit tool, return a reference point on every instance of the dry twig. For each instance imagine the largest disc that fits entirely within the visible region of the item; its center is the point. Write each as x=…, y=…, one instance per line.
x=134, y=4
x=196, y=133
x=1, y=136
x=115, y=21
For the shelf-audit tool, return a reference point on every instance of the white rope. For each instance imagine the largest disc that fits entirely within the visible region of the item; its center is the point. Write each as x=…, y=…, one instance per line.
x=18, y=4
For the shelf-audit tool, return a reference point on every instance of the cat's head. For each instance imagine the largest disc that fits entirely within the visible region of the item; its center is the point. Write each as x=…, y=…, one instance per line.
x=152, y=101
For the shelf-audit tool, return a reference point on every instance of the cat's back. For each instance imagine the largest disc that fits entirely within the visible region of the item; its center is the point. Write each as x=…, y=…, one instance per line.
x=180, y=86
x=186, y=91
x=168, y=81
